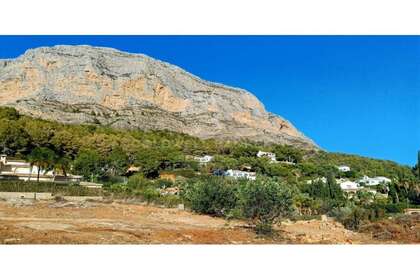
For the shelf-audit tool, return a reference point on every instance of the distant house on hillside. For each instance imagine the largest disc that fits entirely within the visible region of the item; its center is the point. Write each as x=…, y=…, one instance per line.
x=271, y=156
x=383, y=180
x=367, y=181
x=238, y=174
x=13, y=169
x=349, y=186
x=343, y=168
x=204, y=159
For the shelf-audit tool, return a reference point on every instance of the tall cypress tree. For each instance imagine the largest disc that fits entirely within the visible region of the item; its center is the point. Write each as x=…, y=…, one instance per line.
x=418, y=164
x=335, y=191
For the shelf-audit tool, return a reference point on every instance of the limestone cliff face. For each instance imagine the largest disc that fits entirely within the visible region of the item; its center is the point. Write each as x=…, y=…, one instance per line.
x=84, y=84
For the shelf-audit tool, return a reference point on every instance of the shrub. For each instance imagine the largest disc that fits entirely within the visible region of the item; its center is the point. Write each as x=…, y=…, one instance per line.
x=187, y=173
x=264, y=201
x=394, y=208
x=351, y=217
x=137, y=181
x=170, y=200
x=163, y=183
x=214, y=196
x=150, y=194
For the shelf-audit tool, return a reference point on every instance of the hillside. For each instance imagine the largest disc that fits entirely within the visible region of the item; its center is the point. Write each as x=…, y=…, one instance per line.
x=84, y=84
x=168, y=174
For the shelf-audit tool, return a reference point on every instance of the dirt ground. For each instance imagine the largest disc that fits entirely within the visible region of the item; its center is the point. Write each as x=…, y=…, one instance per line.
x=28, y=222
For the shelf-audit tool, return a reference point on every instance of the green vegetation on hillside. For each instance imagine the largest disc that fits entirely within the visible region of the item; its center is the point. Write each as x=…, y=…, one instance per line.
x=104, y=154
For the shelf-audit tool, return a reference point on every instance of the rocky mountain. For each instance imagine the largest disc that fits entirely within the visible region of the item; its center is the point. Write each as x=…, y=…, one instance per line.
x=84, y=84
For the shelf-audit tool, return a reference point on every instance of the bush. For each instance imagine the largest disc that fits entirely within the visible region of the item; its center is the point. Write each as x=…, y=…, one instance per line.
x=355, y=219
x=214, y=196
x=150, y=194
x=137, y=181
x=187, y=173
x=163, y=183
x=264, y=201
x=351, y=217
x=395, y=208
x=170, y=200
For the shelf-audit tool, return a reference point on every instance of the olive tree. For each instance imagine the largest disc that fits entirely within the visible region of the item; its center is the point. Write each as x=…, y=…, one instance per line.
x=265, y=201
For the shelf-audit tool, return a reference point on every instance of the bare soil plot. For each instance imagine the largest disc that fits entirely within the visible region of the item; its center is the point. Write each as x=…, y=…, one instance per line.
x=117, y=223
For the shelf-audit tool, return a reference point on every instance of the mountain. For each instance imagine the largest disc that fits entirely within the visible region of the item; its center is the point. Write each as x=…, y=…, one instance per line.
x=85, y=84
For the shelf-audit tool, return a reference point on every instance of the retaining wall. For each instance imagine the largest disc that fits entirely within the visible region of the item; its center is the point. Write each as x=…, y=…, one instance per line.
x=44, y=196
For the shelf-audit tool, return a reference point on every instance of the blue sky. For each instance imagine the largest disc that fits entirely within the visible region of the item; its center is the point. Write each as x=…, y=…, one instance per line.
x=351, y=94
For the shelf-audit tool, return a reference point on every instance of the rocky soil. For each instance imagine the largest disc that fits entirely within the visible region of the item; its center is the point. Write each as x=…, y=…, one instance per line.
x=120, y=223
x=84, y=84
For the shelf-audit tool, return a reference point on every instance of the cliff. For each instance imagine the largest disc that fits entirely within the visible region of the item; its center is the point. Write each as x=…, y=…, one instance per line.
x=84, y=84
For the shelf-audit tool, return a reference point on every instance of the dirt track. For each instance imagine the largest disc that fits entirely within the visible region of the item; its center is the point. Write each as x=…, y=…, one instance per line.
x=114, y=223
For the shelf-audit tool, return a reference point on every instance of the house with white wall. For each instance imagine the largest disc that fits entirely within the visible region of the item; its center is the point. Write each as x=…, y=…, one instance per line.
x=271, y=156
x=13, y=169
x=238, y=174
x=204, y=159
x=380, y=180
x=343, y=168
x=349, y=186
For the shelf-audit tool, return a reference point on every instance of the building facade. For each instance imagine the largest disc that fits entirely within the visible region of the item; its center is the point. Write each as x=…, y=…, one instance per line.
x=271, y=156
x=349, y=186
x=204, y=159
x=343, y=168
x=13, y=169
x=380, y=180
x=238, y=174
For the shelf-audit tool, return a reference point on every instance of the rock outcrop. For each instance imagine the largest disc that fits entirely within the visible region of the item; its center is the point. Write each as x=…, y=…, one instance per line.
x=84, y=84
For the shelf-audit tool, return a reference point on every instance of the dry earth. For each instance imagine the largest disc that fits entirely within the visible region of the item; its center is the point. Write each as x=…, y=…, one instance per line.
x=26, y=222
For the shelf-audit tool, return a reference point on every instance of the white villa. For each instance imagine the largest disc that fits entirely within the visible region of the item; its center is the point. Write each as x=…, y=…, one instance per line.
x=374, y=181
x=343, y=168
x=345, y=184
x=22, y=170
x=271, y=156
x=238, y=174
x=204, y=159
x=349, y=186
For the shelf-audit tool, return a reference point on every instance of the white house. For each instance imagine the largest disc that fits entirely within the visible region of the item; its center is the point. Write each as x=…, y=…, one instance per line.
x=383, y=180
x=343, y=168
x=238, y=174
x=204, y=159
x=22, y=170
x=349, y=186
x=374, y=181
x=271, y=156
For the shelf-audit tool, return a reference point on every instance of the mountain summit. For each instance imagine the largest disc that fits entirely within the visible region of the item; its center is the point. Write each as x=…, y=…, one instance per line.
x=84, y=84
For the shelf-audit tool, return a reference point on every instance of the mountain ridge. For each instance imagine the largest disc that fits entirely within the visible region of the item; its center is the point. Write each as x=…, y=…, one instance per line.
x=85, y=84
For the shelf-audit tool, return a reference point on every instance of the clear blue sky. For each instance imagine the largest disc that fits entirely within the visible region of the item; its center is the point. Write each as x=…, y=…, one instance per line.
x=351, y=94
